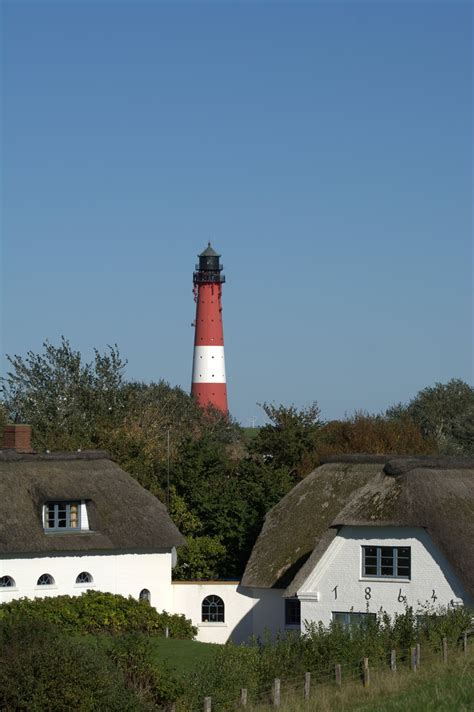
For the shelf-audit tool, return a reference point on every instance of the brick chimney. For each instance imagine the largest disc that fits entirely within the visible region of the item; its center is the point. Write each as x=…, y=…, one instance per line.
x=17, y=437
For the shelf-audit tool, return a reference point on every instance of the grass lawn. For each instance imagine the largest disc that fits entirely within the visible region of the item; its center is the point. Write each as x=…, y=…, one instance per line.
x=434, y=688
x=450, y=690
x=183, y=656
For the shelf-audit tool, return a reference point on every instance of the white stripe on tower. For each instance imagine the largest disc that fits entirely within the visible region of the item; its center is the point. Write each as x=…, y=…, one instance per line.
x=209, y=364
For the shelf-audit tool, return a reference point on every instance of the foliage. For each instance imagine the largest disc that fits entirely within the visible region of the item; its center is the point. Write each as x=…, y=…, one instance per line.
x=95, y=611
x=289, y=440
x=230, y=497
x=374, y=434
x=233, y=667
x=200, y=558
x=218, y=482
x=256, y=665
x=42, y=669
x=66, y=401
x=3, y=421
x=152, y=683
x=445, y=413
x=183, y=657
x=157, y=419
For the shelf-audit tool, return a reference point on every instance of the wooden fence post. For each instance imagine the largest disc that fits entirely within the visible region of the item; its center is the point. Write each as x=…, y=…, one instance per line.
x=207, y=704
x=418, y=655
x=366, y=672
x=338, y=673
x=413, y=659
x=167, y=632
x=307, y=685
x=445, y=650
x=464, y=643
x=276, y=692
x=393, y=661
x=243, y=697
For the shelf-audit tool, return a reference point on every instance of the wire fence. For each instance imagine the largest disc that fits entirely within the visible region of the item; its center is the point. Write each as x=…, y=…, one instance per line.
x=362, y=671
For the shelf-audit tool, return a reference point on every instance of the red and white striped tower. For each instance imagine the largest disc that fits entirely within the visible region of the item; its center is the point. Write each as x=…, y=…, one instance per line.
x=209, y=384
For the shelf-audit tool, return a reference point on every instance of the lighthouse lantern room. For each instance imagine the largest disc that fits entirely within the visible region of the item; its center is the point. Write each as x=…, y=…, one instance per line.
x=209, y=381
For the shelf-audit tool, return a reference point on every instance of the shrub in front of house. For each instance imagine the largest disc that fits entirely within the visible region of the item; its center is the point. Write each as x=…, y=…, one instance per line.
x=97, y=612
x=232, y=668
x=41, y=668
x=153, y=684
x=290, y=655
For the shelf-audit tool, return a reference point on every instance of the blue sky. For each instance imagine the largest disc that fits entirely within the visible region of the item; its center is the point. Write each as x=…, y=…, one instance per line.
x=324, y=148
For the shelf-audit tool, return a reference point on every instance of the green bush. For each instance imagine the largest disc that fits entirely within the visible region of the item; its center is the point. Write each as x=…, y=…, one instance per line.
x=233, y=667
x=43, y=669
x=153, y=685
x=96, y=612
x=290, y=655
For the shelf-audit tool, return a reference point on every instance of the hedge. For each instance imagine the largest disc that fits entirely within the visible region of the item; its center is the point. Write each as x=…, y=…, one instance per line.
x=96, y=612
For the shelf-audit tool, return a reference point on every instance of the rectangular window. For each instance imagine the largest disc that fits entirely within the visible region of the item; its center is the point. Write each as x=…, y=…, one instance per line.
x=348, y=619
x=292, y=611
x=60, y=516
x=386, y=561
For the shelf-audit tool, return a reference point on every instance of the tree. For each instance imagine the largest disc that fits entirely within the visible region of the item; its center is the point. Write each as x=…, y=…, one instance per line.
x=228, y=500
x=289, y=439
x=445, y=413
x=203, y=555
x=375, y=434
x=65, y=400
x=200, y=559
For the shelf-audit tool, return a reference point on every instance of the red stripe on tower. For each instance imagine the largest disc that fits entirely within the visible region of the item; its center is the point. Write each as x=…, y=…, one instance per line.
x=208, y=382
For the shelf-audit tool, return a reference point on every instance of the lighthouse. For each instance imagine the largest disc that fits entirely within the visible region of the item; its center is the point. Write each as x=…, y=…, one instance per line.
x=208, y=381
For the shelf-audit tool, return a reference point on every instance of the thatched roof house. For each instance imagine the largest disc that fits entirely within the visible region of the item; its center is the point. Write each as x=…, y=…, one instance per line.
x=435, y=493
x=122, y=515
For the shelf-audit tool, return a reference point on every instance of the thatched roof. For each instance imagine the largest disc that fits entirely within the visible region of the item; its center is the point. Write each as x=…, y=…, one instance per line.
x=434, y=493
x=122, y=515
x=300, y=522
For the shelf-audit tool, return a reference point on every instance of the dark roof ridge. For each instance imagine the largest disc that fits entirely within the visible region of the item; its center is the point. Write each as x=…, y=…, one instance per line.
x=401, y=465
x=8, y=455
x=358, y=458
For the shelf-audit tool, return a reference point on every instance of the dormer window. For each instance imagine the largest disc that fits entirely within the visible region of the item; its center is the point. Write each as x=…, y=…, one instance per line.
x=62, y=516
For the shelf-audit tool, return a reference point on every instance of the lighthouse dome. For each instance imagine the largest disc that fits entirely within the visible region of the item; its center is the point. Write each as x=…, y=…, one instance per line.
x=209, y=259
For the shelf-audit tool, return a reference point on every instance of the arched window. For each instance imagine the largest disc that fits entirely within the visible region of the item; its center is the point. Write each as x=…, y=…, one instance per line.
x=144, y=595
x=212, y=610
x=45, y=580
x=84, y=577
x=7, y=582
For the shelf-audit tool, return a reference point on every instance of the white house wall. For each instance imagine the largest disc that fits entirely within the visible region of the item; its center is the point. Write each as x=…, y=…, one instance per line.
x=247, y=612
x=126, y=574
x=337, y=585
